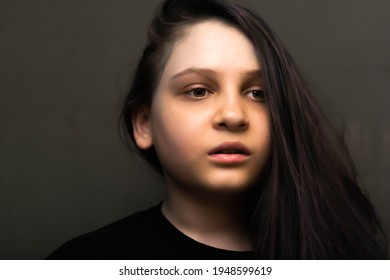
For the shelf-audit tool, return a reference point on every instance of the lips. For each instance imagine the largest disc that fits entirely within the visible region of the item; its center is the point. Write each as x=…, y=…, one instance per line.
x=229, y=153
x=230, y=148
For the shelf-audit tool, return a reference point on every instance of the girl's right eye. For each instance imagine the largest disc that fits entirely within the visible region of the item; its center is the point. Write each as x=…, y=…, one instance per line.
x=198, y=93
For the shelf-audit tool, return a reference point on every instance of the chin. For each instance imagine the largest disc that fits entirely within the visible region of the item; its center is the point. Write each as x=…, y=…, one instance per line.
x=227, y=187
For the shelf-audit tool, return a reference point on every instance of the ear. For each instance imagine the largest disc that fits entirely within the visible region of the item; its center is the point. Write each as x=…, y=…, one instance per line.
x=142, y=128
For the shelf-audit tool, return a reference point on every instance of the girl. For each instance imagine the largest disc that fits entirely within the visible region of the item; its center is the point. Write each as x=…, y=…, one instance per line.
x=218, y=107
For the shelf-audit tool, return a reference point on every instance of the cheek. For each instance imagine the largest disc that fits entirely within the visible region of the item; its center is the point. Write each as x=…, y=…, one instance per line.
x=176, y=133
x=266, y=130
x=263, y=135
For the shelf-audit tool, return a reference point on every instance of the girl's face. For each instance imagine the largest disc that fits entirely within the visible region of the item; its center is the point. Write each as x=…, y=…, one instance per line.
x=208, y=121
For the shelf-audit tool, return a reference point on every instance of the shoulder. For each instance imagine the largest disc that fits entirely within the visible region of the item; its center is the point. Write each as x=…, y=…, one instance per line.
x=124, y=239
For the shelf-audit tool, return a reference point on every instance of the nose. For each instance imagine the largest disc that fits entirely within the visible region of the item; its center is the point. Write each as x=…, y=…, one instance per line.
x=230, y=114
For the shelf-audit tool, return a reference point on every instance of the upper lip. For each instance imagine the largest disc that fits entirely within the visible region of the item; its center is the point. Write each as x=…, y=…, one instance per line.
x=230, y=146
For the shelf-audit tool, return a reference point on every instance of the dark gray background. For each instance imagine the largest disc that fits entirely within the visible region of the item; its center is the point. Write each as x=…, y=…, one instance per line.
x=65, y=66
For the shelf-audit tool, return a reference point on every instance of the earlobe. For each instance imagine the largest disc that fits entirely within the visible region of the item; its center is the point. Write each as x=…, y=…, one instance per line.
x=142, y=128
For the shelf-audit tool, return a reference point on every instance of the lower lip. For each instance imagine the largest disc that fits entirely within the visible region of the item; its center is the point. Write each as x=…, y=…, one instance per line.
x=228, y=158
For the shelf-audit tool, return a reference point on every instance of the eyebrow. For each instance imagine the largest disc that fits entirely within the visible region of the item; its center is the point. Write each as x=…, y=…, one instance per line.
x=210, y=72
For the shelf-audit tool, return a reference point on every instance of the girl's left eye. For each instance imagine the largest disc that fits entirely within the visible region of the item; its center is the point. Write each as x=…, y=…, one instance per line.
x=256, y=94
x=198, y=93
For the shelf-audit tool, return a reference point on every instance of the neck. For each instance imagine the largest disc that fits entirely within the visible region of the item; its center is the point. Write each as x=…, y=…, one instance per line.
x=215, y=220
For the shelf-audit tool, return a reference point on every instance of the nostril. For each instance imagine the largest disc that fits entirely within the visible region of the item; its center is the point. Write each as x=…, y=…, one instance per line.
x=233, y=125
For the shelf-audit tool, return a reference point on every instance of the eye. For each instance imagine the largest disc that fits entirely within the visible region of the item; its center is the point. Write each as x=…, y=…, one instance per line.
x=198, y=93
x=256, y=94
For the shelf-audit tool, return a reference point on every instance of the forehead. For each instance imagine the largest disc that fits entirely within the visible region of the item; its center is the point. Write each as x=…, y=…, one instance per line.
x=214, y=45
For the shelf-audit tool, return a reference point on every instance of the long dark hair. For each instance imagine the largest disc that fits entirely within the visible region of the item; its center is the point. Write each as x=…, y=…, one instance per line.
x=308, y=204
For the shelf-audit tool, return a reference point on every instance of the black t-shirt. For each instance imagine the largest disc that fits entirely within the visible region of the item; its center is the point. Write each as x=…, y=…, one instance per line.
x=141, y=236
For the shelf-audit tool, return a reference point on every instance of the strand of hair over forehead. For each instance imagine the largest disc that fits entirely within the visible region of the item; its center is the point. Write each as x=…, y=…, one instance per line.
x=172, y=12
